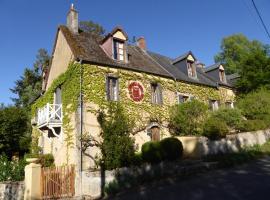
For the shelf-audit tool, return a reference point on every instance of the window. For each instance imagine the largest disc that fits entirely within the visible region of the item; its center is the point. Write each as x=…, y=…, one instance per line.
x=222, y=76
x=118, y=50
x=213, y=105
x=184, y=98
x=191, y=69
x=112, y=89
x=229, y=104
x=156, y=93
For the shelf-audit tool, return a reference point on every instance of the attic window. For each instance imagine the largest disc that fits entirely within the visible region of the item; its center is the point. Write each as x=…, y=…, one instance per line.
x=191, y=69
x=118, y=50
x=222, y=76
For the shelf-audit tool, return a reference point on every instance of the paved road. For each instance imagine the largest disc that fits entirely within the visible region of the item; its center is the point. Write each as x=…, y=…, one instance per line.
x=246, y=182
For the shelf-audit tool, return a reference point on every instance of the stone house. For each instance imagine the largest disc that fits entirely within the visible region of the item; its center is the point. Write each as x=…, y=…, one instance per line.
x=86, y=72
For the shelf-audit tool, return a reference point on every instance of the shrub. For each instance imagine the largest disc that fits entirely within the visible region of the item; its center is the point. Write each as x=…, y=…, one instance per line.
x=215, y=129
x=187, y=118
x=151, y=152
x=117, y=147
x=256, y=105
x=232, y=117
x=137, y=159
x=46, y=160
x=171, y=149
x=252, y=125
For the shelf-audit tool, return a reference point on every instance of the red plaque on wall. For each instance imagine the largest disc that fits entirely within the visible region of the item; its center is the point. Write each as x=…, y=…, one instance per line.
x=135, y=91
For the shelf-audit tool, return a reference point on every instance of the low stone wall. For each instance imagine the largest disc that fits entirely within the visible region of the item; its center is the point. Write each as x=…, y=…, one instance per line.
x=197, y=147
x=12, y=190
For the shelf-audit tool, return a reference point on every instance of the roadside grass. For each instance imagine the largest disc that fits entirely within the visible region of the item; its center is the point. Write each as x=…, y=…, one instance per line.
x=243, y=156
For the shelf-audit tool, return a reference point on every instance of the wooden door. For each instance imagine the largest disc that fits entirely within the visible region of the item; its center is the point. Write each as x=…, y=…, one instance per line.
x=155, y=133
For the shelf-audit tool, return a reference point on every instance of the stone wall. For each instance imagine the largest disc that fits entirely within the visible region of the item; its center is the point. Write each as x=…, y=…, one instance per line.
x=11, y=190
x=195, y=147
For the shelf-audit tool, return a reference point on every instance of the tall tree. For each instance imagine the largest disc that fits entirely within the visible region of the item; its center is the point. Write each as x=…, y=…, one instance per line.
x=236, y=49
x=92, y=27
x=28, y=87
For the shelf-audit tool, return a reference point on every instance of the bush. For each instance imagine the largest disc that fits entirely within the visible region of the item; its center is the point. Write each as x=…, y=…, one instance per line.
x=117, y=147
x=215, y=129
x=168, y=149
x=252, y=125
x=137, y=160
x=46, y=160
x=256, y=105
x=151, y=152
x=232, y=117
x=187, y=118
x=171, y=149
x=11, y=170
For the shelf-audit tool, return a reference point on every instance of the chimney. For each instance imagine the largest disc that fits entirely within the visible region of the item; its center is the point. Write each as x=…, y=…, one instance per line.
x=72, y=20
x=141, y=43
x=200, y=65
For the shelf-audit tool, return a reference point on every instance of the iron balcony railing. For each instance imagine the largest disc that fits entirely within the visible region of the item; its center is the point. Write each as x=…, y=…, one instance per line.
x=51, y=113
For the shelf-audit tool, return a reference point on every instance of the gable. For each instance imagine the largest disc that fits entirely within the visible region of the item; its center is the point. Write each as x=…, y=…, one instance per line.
x=221, y=67
x=190, y=58
x=119, y=35
x=61, y=57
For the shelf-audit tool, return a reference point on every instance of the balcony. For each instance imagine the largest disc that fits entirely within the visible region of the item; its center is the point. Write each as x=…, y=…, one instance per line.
x=50, y=116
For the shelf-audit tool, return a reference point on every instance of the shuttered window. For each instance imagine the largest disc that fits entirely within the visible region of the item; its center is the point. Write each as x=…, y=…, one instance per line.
x=112, y=88
x=156, y=93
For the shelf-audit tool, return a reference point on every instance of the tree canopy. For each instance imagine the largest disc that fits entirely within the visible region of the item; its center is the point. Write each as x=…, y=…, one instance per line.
x=92, y=27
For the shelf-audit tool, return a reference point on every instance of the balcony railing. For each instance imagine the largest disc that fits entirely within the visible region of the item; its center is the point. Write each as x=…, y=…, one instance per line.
x=50, y=114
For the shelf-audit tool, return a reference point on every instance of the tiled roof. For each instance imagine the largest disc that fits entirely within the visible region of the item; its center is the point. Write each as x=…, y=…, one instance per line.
x=87, y=48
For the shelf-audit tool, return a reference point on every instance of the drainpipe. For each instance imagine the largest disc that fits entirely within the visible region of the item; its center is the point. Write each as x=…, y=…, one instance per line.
x=81, y=124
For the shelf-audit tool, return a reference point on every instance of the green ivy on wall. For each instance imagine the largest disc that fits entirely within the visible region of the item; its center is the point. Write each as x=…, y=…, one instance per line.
x=94, y=91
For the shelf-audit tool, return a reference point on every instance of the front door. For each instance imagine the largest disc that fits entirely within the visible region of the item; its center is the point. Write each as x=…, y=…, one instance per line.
x=155, y=133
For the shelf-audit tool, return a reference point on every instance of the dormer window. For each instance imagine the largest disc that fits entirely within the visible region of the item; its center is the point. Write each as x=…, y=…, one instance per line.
x=118, y=50
x=191, y=69
x=222, y=75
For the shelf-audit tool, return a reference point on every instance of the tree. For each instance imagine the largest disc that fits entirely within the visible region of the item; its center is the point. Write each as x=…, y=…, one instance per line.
x=14, y=130
x=92, y=27
x=28, y=87
x=235, y=49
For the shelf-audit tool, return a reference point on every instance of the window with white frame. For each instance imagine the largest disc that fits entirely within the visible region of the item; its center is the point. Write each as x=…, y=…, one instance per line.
x=191, y=68
x=118, y=50
x=156, y=93
x=229, y=104
x=182, y=98
x=222, y=76
x=213, y=105
x=112, y=88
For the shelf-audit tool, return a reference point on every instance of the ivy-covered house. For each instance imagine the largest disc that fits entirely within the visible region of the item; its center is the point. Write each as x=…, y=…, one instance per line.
x=87, y=72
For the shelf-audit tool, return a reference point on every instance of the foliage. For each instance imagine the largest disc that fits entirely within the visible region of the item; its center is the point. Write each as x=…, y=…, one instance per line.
x=92, y=27
x=256, y=105
x=215, y=129
x=252, y=125
x=46, y=160
x=231, y=117
x=187, y=118
x=11, y=170
x=28, y=87
x=117, y=147
x=171, y=149
x=14, y=131
x=151, y=152
x=168, y=149
x=237, y=48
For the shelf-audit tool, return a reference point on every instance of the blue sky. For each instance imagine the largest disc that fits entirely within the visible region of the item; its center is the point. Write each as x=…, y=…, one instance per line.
x=170, y=27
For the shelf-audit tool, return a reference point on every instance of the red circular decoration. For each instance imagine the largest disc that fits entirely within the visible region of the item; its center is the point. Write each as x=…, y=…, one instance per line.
x=136, y=91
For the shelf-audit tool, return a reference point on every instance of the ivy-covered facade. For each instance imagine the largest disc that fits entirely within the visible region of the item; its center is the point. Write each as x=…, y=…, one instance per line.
x=87, y=73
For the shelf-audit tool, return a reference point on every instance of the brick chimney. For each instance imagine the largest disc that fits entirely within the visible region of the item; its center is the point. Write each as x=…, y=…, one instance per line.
x=72, y=20
x=141, y=43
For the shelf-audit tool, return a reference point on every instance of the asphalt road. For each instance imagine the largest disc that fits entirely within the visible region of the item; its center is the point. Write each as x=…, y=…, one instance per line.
x=250, y=181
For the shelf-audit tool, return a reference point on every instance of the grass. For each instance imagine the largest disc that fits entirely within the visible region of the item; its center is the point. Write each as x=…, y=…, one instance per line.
x=245, y=155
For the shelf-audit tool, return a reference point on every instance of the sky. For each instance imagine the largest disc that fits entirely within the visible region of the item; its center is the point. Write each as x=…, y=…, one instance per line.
x=170, y=27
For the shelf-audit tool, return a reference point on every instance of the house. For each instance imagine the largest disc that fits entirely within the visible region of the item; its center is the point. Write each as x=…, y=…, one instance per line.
x=86, y=72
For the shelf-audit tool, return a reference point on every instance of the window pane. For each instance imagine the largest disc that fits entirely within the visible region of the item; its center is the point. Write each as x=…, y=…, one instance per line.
x=121, y=57
x=121, y=51
x=120, y=45
x=112, y=91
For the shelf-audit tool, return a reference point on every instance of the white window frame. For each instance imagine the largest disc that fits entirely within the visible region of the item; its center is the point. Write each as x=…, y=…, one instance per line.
x=156, y=93
x=189, y=97
x=214, y=104
x=112, y=94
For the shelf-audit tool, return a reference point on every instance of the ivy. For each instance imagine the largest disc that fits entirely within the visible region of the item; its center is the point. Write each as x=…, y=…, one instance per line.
x=94, y=91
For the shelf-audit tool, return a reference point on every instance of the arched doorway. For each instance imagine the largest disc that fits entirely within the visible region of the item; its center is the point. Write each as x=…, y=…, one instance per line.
x=155, y=133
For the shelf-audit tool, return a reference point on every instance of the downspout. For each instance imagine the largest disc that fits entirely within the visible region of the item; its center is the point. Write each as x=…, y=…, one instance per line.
x=81, y=124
